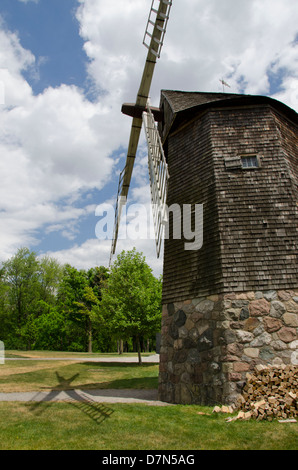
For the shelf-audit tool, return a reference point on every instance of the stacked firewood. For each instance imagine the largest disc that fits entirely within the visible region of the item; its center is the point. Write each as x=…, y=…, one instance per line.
x=270, y=392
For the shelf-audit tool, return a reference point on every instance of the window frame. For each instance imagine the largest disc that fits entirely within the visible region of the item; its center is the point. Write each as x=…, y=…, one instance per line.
x=235, y=162
x=250, y=157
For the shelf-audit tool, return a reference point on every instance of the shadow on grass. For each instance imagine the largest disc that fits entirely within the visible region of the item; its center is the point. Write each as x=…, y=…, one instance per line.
x=123, y=383
x=133, y=383
x=142, y=388
x=142, y=383
x=95, y=411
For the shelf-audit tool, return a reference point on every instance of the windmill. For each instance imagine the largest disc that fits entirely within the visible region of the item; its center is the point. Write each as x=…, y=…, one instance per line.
x=242, y=172
x=145, y=115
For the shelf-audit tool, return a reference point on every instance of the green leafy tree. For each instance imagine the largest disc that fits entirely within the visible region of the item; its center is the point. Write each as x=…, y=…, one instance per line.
x=6, y=323
x=49, y=329
x=79, y=294
x=28, y=332
x=28, y=287
x=89, y=305
x=21, y=275
x=96, y=279
x=50, y=275
x=70, y=293
x=131, y=299
x=46, y=306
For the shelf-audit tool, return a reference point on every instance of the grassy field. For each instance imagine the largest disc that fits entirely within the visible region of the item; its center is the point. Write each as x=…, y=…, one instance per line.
x=25, y=376
x=94, y=426
x=101, y=426
x=67, y=354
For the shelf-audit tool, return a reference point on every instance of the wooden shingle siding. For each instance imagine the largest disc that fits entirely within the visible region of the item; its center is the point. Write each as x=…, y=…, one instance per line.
x=250, y=216
x=288, y=137
x=258, y=208
x=192, y=182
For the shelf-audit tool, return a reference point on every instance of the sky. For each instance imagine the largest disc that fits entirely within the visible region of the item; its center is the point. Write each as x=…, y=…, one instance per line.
x=66, y=67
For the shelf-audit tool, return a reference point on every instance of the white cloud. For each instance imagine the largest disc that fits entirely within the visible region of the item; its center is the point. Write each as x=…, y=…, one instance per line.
x=55, y=145
x=13, y=60
x=238, y=40
x=90, y=253
x=58, y=135
x=96, y=252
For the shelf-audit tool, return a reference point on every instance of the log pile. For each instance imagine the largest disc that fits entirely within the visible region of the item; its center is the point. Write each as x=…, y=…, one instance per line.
x=269, y=393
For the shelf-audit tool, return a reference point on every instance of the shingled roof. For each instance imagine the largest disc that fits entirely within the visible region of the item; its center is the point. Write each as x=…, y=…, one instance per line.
x=180, y=100
x=179, y=106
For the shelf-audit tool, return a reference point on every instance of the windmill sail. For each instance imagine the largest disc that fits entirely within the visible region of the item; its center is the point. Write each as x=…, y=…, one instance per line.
x=153, y=40
x=158, y=176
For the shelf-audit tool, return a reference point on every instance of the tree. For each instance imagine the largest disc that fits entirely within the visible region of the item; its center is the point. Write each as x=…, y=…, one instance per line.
x=7, y=325
x=97, y=277
x=49, y=329
x=70, y=293
x=28, y=289
x=50, y=275
x=89, y=305
x=78, y=297
x=21, y=275
x=131, y=299
x=48, y=306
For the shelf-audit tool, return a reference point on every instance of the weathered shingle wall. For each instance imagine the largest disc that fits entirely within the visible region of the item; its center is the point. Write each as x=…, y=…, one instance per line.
x=288, y=137
x=250, y=216
x=192, y=182
x=257, y=208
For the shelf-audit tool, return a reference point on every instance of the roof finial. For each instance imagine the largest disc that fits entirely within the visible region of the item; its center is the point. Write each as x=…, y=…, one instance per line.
x=224, y=84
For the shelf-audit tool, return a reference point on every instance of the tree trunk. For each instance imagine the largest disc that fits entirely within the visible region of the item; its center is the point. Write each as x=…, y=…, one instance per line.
x=139, y=350
x=120, y=346
x=89, y=336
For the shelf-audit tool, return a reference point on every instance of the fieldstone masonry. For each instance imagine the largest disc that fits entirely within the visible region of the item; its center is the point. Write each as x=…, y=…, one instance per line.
x=210, y=343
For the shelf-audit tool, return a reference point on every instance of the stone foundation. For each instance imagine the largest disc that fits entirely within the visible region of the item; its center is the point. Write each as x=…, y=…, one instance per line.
x=208, y=344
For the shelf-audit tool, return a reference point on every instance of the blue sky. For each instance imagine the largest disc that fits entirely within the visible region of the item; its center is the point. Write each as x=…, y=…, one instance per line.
x=50, y=30
x=66, y=67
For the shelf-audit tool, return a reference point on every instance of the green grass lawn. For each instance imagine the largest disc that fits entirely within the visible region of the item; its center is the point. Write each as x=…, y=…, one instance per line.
x=101, y=426
x=95, y=426
x=57, y=354
x=24, y=376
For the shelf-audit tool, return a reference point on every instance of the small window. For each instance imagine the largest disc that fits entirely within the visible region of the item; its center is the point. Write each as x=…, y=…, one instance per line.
x=250, y=161
x=242, y=162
